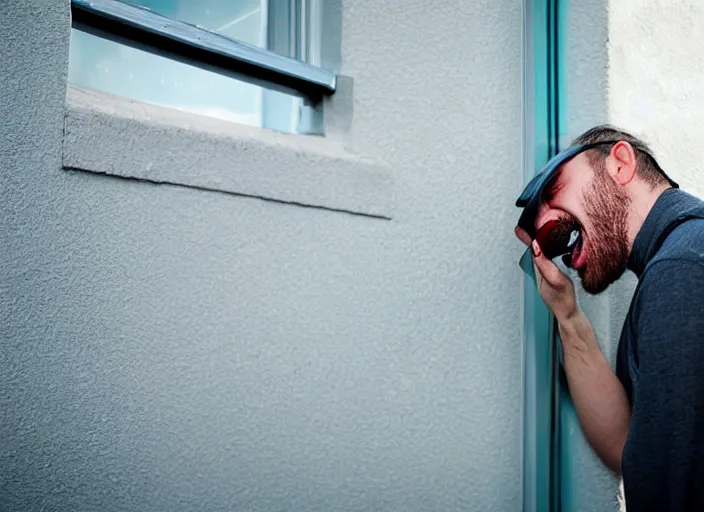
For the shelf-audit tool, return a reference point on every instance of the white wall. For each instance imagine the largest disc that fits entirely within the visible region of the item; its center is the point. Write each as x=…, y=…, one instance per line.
x=167, y=348
x=656, y=61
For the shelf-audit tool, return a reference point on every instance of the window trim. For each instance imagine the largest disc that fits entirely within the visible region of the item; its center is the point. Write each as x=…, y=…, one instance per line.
x=144, y=29
x=111, y=135
x=543, y=384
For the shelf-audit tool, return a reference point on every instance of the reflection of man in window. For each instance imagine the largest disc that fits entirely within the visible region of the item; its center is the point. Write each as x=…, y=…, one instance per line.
x=647, y=421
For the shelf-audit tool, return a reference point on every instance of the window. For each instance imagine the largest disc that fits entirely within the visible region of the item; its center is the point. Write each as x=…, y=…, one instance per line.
x=544, y=390
x=255, y=62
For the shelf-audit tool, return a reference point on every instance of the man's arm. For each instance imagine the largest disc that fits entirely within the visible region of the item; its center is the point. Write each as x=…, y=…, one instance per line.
x=664, y=458
x=598, y=396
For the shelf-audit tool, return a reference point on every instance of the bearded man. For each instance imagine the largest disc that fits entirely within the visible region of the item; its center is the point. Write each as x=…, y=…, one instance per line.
x=646, y=420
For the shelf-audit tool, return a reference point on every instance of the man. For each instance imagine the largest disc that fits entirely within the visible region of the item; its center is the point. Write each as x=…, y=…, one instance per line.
x=646, y=421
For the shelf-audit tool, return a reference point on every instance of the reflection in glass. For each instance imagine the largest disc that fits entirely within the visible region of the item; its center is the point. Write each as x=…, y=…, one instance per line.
x=244, y=20
x=108, y=66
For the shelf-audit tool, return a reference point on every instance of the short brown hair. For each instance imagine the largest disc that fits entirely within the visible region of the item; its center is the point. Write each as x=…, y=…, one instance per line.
x=647, y=167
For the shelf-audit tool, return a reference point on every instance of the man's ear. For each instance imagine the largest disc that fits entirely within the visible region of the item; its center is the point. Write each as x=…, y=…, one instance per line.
x=622, y=163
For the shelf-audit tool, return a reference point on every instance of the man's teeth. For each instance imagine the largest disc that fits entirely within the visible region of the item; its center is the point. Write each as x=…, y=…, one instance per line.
x=574, y=237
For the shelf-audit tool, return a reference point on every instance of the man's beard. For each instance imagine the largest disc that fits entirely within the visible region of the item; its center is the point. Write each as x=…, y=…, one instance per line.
x=607, y=208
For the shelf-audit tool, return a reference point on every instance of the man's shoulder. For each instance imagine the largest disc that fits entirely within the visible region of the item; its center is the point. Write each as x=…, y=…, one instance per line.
x=675, y=275
x=669, y=304
x=678, y=267
x=684, y=246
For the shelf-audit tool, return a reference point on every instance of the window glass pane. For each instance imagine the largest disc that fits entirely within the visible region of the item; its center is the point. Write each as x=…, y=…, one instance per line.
x=281, y=26
x=104, y=65
x=245, y=20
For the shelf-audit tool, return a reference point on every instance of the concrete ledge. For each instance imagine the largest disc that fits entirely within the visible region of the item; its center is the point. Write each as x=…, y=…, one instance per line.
x=118, y=136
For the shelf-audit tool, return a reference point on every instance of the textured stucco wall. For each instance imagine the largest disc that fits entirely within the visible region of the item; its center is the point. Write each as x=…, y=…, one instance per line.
x=656, y=61
x=165, y=348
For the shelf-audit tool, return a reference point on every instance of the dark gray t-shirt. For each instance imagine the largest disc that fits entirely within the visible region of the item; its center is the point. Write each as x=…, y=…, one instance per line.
x=661, y=360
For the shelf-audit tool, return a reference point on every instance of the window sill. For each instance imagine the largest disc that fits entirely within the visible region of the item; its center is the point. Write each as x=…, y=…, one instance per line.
x=112, y=135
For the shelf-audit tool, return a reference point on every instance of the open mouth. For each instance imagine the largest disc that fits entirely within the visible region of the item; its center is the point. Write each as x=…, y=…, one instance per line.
x=562, y=237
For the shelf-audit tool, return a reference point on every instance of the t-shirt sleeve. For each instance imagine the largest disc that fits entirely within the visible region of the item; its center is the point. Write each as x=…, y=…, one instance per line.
x=663, y=461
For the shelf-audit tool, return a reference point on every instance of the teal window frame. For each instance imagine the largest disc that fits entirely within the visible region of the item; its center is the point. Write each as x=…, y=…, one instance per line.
x=148, y=30
x=543, y=378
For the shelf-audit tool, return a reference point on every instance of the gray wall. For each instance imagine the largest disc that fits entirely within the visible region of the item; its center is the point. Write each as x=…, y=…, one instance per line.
x=165, y=348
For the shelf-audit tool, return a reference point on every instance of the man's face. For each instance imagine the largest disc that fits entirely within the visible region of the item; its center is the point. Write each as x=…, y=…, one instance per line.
x=591, y=196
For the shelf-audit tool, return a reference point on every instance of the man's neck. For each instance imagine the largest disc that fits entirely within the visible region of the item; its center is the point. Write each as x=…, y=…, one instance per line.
x=643, y=198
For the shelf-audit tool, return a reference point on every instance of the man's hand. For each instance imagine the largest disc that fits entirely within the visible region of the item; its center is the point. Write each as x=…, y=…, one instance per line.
x=555, y=288
x=599, y=397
